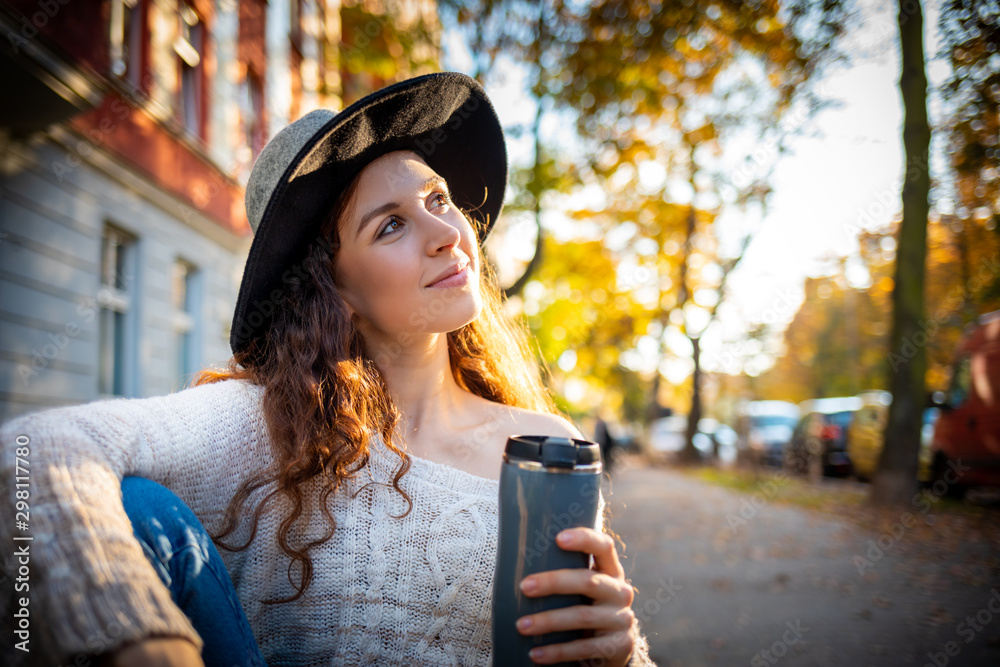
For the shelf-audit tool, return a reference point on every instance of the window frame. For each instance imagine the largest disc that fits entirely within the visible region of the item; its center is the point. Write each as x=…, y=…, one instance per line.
x=128, y=41
x=117, y=338
x=192, y=88
x=186, y=321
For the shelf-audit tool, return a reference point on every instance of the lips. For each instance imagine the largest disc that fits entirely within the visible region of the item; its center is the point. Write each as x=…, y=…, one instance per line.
x=453, y=276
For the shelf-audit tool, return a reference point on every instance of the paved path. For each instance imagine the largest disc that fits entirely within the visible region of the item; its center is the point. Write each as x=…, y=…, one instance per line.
x=784, y=588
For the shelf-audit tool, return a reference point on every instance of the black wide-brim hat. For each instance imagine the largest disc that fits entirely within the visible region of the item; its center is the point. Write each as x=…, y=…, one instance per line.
x=445, y=118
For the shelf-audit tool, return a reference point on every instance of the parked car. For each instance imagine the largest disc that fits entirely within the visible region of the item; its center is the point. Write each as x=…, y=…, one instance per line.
x=819, y=443
x=966, y=446
x=768, y=427
x=717, y=439
x=866, y=436
x=625, y=436
x=667, y=437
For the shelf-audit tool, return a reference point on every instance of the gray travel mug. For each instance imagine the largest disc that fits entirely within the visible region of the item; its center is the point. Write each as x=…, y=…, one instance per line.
x=546, y=485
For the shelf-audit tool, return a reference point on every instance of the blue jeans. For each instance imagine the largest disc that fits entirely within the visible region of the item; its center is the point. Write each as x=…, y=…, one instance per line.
x=183, y=555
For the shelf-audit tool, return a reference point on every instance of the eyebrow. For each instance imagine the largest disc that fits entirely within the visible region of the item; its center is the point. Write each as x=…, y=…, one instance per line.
x=430, y=184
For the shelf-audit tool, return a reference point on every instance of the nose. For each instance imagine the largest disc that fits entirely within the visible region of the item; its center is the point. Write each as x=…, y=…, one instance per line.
x=441, y=234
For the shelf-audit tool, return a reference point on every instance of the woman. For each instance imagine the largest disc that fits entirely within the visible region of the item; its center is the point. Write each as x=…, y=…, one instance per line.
x=347, y=461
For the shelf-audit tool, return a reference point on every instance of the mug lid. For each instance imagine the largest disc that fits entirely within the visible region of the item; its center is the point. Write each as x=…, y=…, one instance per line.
x=553, y=451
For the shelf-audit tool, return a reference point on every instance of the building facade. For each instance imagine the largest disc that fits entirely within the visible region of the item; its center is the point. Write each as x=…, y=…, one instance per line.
x=129, y=134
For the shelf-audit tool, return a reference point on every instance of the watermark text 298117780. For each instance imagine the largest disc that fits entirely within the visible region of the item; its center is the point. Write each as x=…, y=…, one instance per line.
x=22, y=544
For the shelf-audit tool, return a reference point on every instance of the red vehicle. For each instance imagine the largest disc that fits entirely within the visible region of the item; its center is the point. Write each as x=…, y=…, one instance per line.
x=966, y=447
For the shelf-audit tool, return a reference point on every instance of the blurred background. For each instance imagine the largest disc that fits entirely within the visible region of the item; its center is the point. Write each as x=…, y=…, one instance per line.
x=757, y=244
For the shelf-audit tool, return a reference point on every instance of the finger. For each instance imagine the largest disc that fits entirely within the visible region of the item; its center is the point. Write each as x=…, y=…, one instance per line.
x=597, y=586
x=615, y=645
x=601, y=546
x=579, y=617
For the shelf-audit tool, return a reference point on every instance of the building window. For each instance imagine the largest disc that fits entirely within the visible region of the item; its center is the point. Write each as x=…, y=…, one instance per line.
x=296, y=12
x=253, y=105
x=190, y=49
x=117, y=337
x=128, y=39
x=186, y=304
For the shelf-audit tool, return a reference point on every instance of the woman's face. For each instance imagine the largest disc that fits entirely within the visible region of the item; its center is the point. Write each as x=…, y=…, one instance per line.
x=408, y=262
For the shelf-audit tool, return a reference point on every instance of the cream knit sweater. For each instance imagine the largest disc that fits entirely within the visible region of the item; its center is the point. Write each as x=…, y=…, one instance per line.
x=387, y=589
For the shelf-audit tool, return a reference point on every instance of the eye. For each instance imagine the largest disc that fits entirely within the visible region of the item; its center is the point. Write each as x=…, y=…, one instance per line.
x=392, y=225
x=441, y=199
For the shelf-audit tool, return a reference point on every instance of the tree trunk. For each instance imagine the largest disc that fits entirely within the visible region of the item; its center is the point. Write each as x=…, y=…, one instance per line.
x=895, y=479
x=653, y=409
x=690, y=454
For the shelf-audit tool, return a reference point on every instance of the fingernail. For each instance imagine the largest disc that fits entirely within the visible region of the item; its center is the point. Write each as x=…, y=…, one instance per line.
x=528, y=586
x=524, y=623
x=536, y=653
x=565, y=538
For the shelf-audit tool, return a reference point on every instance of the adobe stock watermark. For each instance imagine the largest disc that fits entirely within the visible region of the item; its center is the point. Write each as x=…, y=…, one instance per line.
x=989, y=268
x=664, y=594
x=771, y=655
x=56, y=342
x=263, y=309
x=923, y=502
x=638, y=277
x=481, y=436
x=768, y=489
x=96, y=136
x=967, y=630
x=888, y=27
x=544, y=538
x=886, y=201
x=768, y=149
x=782, y=306
x=103, y=640
x=47, y=10
x=204, y=193
x=420, y=320
x=667, y=590
x=622, y=460
x=427, y=145
x=749, y=507
x=362, y=36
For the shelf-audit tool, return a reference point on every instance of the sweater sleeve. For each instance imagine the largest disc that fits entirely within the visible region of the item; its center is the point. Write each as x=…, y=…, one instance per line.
x=89, y=586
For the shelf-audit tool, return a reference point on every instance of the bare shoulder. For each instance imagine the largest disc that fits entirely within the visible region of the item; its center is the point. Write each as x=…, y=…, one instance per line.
x=520, y=421
x=493, y=423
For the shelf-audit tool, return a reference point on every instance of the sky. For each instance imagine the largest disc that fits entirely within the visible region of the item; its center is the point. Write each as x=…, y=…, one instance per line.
x=844, y=177
x=841, y=176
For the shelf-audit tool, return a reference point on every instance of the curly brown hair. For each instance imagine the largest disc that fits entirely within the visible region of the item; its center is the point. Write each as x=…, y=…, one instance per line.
x=324, y=397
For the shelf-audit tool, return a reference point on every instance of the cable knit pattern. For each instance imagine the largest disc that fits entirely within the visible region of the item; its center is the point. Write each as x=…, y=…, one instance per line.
x=387, y=589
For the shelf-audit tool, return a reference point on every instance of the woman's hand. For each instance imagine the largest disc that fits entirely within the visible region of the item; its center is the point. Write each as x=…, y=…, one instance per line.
x=610, y=618
x=158, y=652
